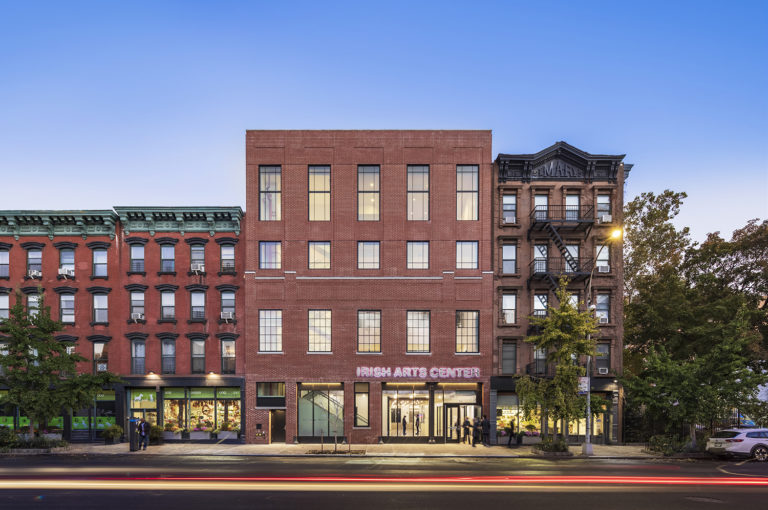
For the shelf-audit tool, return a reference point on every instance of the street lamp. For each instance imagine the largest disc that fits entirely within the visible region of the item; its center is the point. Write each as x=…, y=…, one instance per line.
x=586, y=448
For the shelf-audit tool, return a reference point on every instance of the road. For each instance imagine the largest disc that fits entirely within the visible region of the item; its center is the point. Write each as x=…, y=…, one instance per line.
x=364, y=483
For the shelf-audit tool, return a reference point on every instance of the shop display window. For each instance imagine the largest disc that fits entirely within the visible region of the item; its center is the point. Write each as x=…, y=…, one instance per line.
x=321, y=410
x=174, y=409
x=202, y=409
x=228, y=410
x=405, y=412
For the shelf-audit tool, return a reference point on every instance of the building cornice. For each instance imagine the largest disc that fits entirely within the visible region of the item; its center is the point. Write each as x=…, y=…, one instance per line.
x=57, y=223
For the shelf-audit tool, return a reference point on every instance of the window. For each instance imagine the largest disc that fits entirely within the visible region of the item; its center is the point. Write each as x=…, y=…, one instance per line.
x=508, y=308
x=33, y=304
x=270, y=255
x=228, y=302
x=100, y=308
x=270, y=389
x=227, y=258
x=319, y=255
x=5, y=306
x=168, y=356
x=602, y=258
x=167, y=304
x=418, y=192
x=368, y=193
x=572, y=207
x=361, y=404
x=509, y=258
x=34, y=260
x=197, y=299
x=466, y=192
x=100, y=262
x=4, y=264
x=418, y=255
x=198, y=356
x=540, y=258
x=137, y=357
x=137, y=258
x=467, y=332
x=368, y=331
x=100, y=357
x=368, y=255
x=540, y=302
x=319, y=193
x=508, y=357
x=137, y=303
x=573, y=300
x=603, y=310
x=320, y=411
x=67, y=259
x=269, y=193
x=167, y=258
x=227, y=356
x=197, y=257
x=603, y=357
x=539, y=361
x=67, y=308
x=541, y=206
x=603, y=205
x=572, y=266
x=417, y=337
x=466, y=254
x=319, y=331
x=509, y=208
x=270, y=330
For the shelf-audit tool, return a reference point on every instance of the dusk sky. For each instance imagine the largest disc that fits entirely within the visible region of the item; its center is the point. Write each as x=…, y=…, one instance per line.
x=146, y=103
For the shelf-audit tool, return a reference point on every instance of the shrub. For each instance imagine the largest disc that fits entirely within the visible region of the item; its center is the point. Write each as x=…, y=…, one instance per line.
x=8, y=438
x=666, y=445
x=113, y=432
x=552, y=445
x=155, y=434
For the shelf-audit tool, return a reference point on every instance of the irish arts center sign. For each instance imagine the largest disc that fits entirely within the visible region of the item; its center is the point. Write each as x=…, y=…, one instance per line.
x=419, y=372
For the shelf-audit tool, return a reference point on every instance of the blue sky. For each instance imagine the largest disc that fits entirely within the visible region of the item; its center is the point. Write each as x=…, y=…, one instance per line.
x=141, y=103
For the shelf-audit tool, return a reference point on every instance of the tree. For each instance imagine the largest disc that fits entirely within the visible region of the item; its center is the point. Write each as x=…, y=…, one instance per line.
x=40, y=371
x=651, y=241
x=566, y=337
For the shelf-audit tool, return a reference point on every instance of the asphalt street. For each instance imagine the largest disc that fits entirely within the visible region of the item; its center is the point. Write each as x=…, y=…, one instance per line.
x=126, y=481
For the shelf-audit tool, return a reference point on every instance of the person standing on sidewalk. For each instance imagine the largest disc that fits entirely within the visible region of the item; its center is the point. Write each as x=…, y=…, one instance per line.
x=143, y=433
x=466, y=426
x=476, y=431
x=486, y=426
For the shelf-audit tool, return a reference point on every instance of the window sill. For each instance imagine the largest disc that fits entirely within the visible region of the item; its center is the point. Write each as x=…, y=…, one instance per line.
x=510, y=275
x=227, y=273
x=62, y=277
x=196, y=273
x=136, y=321
x=467, y=353
x=197, y=321
x=361, y=428
x=369, y=353
x=27, y=277
x=223, y=321
x=229, y=373
x=166, y=273
x=5, y=277
x=319, y=352
x=418, y=354
x=166, y=321
x=99, y=277
x=99, y=323
x=270, y=352
x=68, y=323
x=140, y=273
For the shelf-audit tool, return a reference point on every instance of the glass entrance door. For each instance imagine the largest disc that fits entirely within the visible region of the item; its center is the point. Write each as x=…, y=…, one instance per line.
x=455, y=416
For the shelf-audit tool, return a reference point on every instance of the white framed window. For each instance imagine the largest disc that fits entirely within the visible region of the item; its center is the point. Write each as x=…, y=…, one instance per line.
x=67, y=308
x=167, y=304
x=509, y=208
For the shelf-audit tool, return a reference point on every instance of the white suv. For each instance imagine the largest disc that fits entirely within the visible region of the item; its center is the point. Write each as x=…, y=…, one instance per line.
x=740, y=442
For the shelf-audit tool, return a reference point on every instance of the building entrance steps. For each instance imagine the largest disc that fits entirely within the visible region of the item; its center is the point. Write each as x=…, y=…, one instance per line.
x=371, y=450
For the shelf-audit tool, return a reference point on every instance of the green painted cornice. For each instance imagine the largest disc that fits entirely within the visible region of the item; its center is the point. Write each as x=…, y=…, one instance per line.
x=57, y=223
x=180, y=219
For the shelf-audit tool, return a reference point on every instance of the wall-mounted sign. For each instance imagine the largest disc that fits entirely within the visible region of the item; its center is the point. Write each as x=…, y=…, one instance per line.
x=419, y=372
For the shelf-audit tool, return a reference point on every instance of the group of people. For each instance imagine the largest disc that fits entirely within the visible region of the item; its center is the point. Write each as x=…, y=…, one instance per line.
x=476, y=430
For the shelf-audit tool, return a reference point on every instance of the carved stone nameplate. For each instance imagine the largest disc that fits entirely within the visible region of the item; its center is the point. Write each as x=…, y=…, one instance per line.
x=557, y=169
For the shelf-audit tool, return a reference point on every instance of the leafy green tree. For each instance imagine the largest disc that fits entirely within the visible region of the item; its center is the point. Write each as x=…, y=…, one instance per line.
x=40, y=371
x=565, y=335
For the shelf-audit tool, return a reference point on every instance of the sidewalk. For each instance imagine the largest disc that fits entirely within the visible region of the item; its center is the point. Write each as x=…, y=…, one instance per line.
x=371, y=450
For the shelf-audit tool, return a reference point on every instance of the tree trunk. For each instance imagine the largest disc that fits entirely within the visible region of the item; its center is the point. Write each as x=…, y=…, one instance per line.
x=693, y=435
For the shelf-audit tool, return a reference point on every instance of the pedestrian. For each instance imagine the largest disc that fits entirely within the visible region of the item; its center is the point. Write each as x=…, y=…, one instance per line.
x=466, y=426
x=417, y=424
x=405, y=424
x=476, y=430
x=486, y=426
x=143, y=433
x=511, y=433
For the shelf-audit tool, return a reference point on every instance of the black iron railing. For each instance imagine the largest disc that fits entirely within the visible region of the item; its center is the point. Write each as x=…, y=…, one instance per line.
x=563, y=213
x=560, y=265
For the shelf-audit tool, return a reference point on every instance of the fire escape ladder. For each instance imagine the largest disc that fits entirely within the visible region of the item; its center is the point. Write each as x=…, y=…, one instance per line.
x=555, y=236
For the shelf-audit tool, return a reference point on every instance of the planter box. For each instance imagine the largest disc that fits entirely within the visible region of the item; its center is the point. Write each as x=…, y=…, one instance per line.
x=172, y=436
x=198, y=435
x=56, y=436
x=227, y=434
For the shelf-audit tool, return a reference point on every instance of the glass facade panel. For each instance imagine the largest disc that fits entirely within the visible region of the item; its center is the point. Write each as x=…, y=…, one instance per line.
x=320, y=411
x=405, y=412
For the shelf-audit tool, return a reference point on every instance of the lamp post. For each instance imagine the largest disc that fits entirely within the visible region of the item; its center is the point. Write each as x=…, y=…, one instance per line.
x=586, y=448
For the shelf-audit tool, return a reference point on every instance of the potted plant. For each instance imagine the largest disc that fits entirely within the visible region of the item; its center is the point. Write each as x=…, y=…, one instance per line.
x=155, y=434
x=227, y=431
x=112, y=434
x=171, y=431
x=200, y=431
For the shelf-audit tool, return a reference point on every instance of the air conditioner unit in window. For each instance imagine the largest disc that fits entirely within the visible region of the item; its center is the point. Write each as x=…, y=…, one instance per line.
x=137, y=316
x=34, y=273
x=508, y=219
x=603, y=320
x=606, y=218
x=227, y=316
x=603, y=269
x=602, y=371
x=198, y=268
x=101, y=366
x=66, y=272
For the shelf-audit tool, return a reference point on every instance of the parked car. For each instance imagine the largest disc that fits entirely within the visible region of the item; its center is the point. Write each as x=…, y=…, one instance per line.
x=740, y=443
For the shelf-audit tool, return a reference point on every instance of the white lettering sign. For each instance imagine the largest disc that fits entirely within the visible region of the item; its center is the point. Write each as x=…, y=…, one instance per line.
x=419, y=372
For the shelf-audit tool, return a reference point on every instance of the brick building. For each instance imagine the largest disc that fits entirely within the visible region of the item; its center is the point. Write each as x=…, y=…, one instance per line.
x=151, y=294
x=368, y=284
x=553, y=214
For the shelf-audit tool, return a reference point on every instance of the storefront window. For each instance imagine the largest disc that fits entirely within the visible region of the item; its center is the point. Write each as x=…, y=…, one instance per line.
x=202, y=409
x=321, y=410
x=143, y=404
x=105, y=412
x=361, y=405
x=405, y=412
x=228, y=409
x=174, y=409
